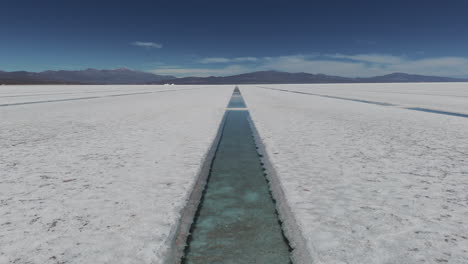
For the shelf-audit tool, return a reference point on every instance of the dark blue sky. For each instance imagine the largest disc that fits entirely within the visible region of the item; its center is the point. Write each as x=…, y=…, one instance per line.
x=353, y=38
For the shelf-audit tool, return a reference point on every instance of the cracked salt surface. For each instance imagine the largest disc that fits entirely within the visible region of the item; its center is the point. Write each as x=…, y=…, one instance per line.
x=104, y=180
x=73, y=97
x=366, y=183
x=330, y=96
x=449, y=97
x=437, y=112
x=292, y=90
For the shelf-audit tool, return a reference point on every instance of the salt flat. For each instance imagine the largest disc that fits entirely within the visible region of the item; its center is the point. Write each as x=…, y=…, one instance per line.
x=437, y=96
x=369, y=183
x=100, y=174
x=100, y=180
x=37, y=93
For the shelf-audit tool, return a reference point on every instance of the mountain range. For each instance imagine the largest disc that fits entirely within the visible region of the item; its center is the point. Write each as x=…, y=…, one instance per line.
x=88, y=76
x=263, y=77
x=127, y=76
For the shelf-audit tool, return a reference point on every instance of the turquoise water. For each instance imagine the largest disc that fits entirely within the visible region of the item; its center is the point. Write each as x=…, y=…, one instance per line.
x=237, y=221
x=236, y=100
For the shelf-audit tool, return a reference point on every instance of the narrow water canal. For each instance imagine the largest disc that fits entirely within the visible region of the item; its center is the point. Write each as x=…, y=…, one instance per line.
x=236, y=100
x=236, y=221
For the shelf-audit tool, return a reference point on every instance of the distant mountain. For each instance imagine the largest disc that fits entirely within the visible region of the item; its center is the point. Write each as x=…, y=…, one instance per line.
x=126, y=76
x=264, y=77
x=404, y=77
x=88, y=76
x=22, y=77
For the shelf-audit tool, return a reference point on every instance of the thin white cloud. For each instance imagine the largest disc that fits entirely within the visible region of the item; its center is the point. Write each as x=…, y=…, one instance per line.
x=252, y=59
x=373, y=58
x=360, y=65
x=443, y=66
x=215, y=60
x=202, y=72
x=227, y=60
x=330, y=67
x=365, y=65
x=150, y=45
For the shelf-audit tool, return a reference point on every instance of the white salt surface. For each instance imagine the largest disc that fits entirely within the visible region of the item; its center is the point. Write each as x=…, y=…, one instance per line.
x=104, y=180
x=368, y=183
x=36, y=93
x=437, y=96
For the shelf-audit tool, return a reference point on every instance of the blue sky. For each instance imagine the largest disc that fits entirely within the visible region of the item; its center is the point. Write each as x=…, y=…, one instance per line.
x=184, y=38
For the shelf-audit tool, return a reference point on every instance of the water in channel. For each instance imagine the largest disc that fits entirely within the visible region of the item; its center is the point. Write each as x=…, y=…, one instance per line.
x=236, y=100
x=237, y=221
